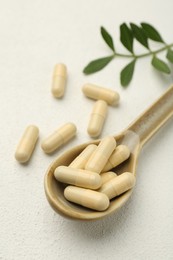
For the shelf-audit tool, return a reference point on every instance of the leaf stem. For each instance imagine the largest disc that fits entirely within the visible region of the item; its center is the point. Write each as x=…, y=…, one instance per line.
x=144, y=54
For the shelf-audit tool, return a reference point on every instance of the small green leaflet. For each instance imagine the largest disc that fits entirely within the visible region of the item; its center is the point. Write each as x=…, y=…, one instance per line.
x=160, y=65
x=97, y=65
x=126, y=37
x=139, y=34
x=107, y=38
x=151, y=32
x=169, y=55
x=127, y=73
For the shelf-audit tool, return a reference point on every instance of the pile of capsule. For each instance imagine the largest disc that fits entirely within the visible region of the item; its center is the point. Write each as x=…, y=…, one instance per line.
x=92, y=184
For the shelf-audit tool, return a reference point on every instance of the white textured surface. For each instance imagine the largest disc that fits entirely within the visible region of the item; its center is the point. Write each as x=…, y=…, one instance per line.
x=34, y=35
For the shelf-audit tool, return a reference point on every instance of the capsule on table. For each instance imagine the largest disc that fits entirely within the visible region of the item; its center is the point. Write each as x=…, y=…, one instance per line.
x=107, y=176
x=27, y=144
x=121, y=153
x=97, y=93
x=58, y=138
x=87, y=198
x=97, y=118
x=59, y=80
x=80, y=161
x=101, y=155
x=118, y=185
x=78, y=177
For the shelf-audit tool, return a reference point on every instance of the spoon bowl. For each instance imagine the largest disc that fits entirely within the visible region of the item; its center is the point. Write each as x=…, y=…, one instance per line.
x=135, y=136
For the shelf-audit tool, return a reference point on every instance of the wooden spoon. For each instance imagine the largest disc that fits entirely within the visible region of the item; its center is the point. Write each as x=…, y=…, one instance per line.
x=135, y=136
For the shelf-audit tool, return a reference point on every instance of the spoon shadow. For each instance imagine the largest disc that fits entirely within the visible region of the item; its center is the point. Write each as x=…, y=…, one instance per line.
x=106, y=226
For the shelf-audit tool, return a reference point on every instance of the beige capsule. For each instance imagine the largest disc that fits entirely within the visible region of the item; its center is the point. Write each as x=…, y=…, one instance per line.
x=97, y=93
x=80, y=161
x=59, y=137
x=27, y=144
x=121, y=153
x=118, y=185
x=78, y=177
x=87, y=198
x=101, y=155
x=107, y=176
x=97, y=118
x=59, y=80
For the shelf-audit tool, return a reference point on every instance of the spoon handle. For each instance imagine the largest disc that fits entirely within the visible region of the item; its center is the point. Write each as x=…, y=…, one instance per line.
x=154, y=117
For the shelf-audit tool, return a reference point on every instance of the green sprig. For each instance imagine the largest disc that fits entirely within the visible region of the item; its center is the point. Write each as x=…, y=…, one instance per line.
x=128, y=34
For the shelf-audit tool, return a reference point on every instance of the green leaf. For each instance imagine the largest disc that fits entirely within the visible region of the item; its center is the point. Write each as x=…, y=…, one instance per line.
x=107, y=38
x=169, y=55
x=126, y=37
x=160, y=65
x=140, y=35
x=97, y=65
x=151, y=32
x=127, y=73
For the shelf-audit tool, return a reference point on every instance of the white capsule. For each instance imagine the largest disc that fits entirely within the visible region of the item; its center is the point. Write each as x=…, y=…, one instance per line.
x=87, y=198
x=61, y=136
x=80, y=161
x=107, y=176
x=97, y=92
x=27, y=144
x=118, y=185
x=78, y=177
x=59, y=80
x=121, y=153
x=97, y=118
x=101, y=155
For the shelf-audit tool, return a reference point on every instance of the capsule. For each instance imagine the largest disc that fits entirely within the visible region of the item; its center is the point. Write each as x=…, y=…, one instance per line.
x=121, y=153
x=97, y=118
x=107, y=176
x=58, y=138
x=101, y=155
x=87, y=198
x=78, y=177
x=97, y=92
x=118, y=185
x=80, y=161
x=59, y=80
x=27, y=144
